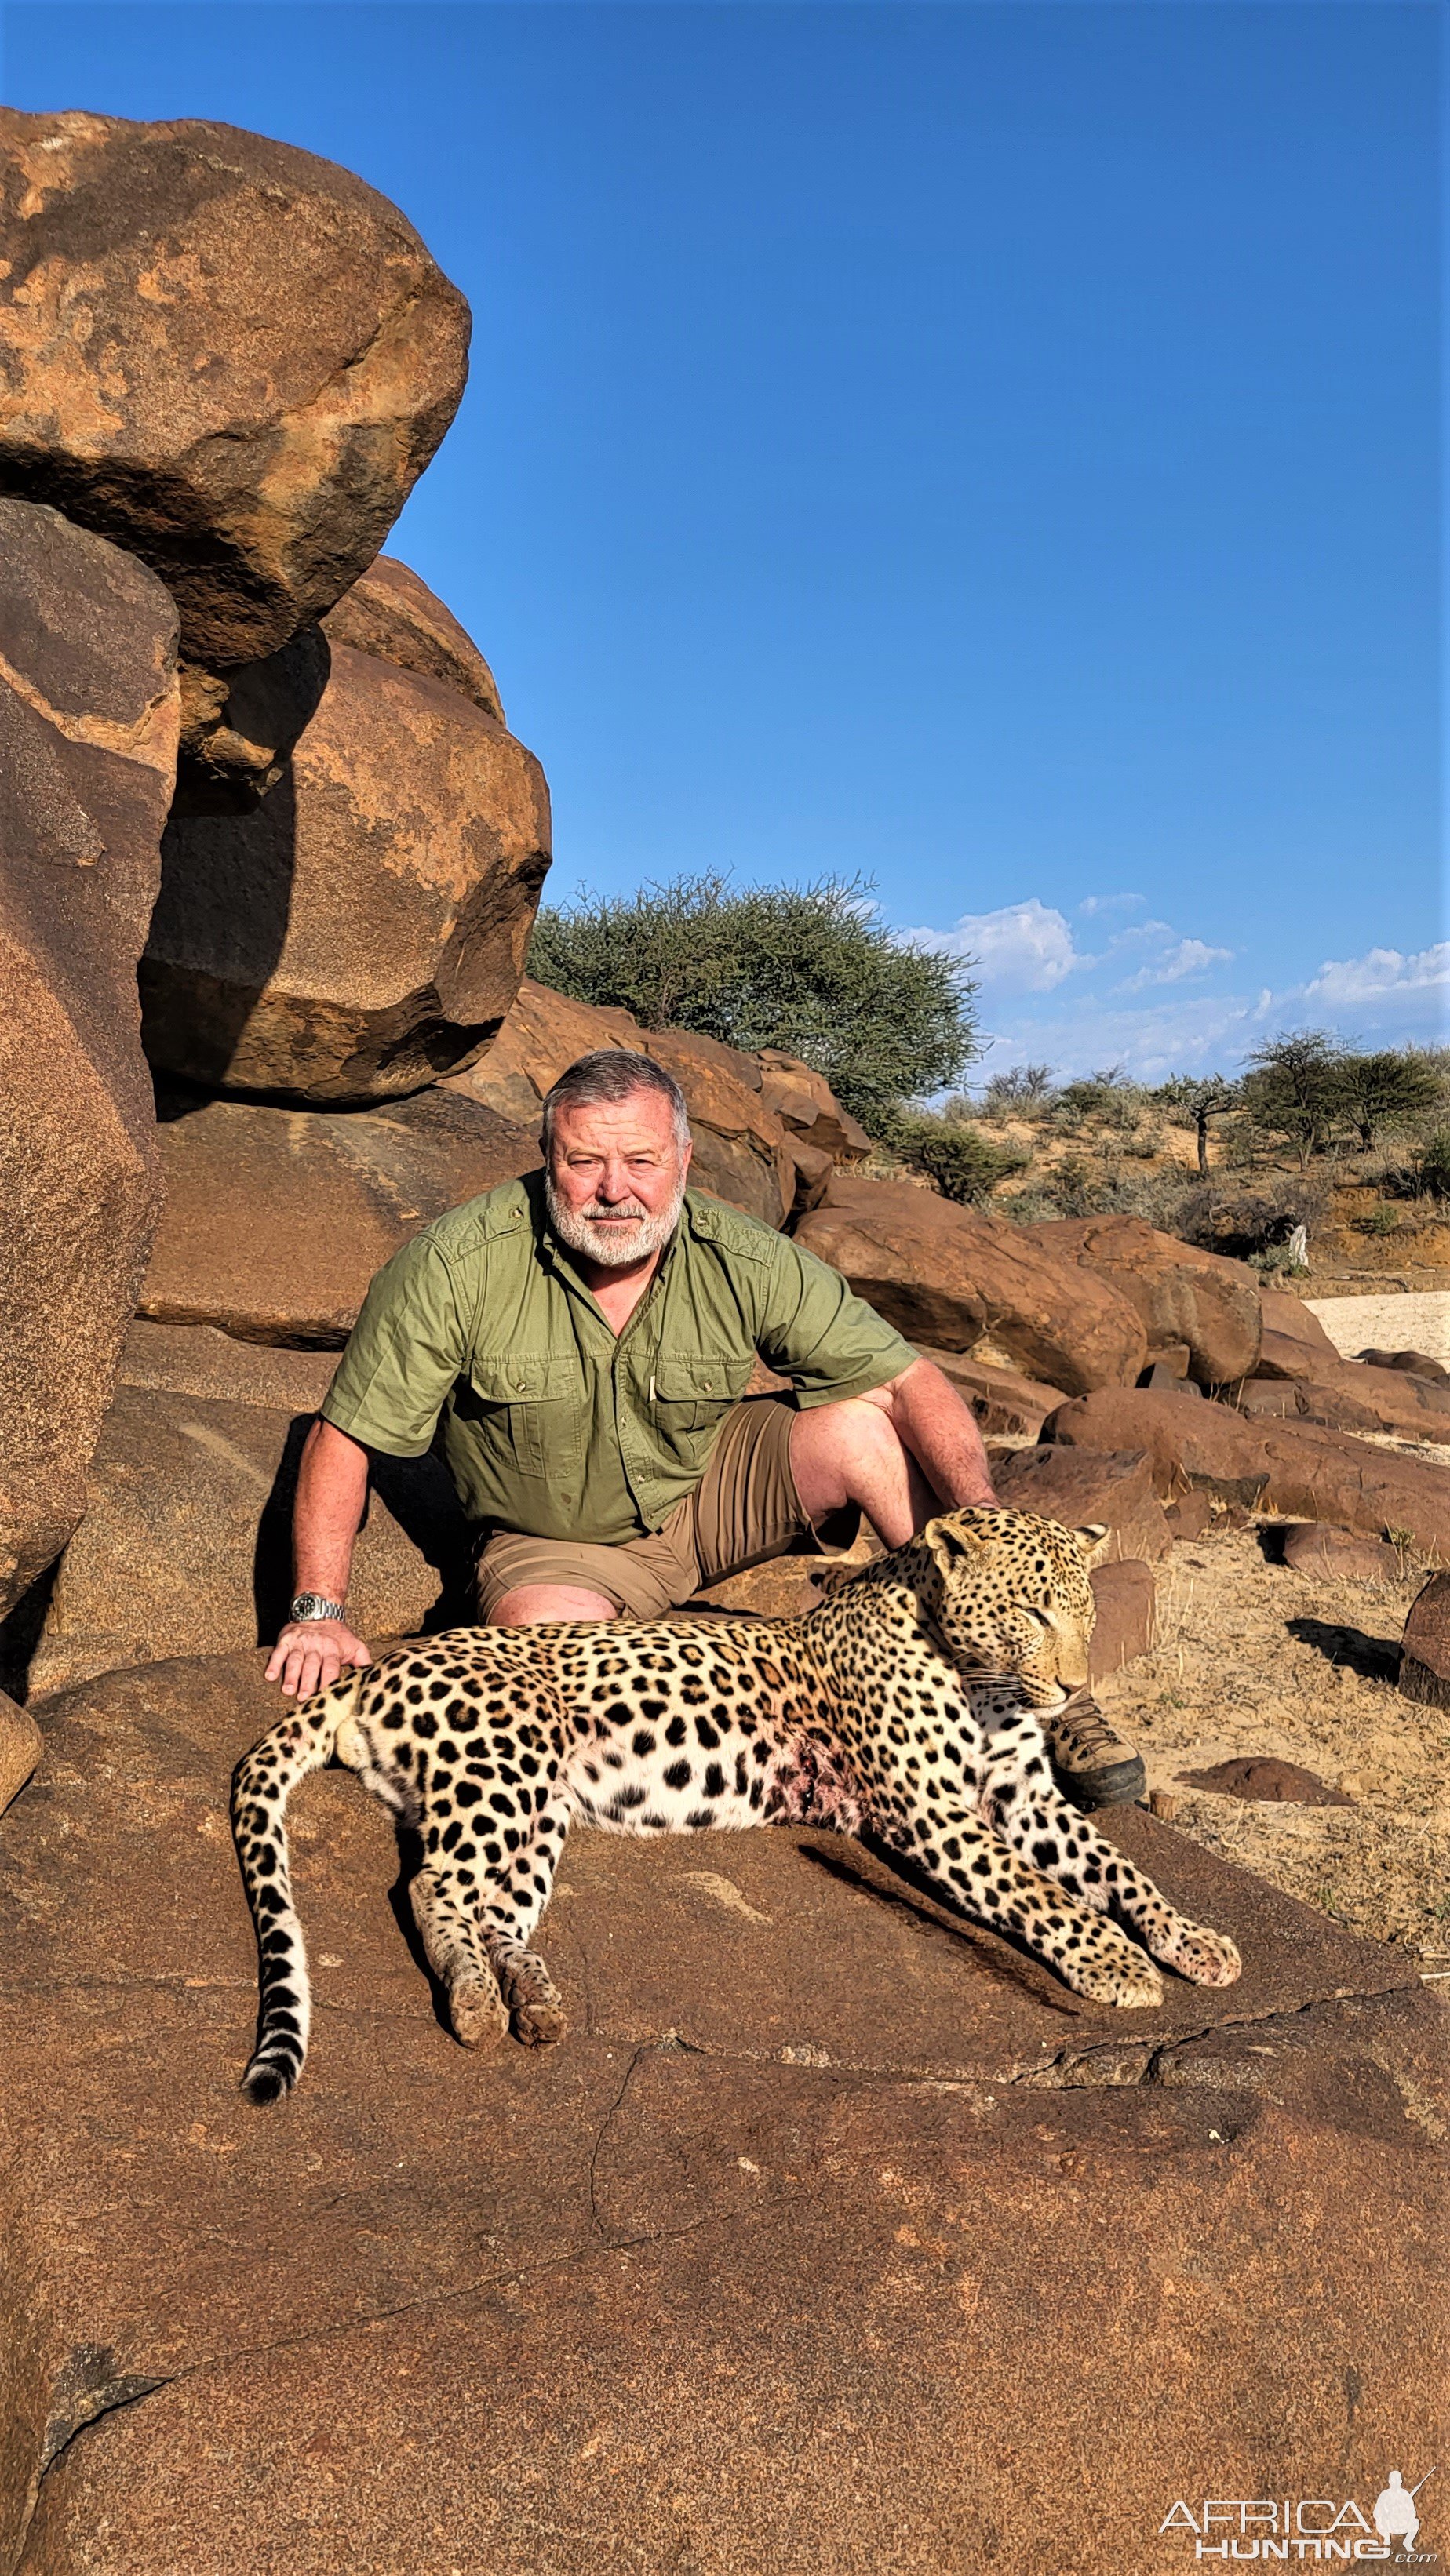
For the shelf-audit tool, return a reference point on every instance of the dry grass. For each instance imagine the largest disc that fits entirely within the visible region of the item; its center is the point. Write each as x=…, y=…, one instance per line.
x=1254, y=1659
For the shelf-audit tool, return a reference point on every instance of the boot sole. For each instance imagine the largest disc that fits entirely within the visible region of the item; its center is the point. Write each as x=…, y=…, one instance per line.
x=1117, y=1784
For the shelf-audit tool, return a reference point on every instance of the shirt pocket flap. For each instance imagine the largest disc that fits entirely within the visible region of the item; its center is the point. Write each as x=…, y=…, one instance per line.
x=709, y=1377
x=523, y=1379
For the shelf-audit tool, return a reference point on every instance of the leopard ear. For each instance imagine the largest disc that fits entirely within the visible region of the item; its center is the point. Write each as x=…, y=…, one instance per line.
x=1092, y=1537
x=949, y=1542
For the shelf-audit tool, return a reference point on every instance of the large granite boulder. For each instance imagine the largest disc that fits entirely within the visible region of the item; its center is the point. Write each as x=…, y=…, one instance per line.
x=394, y=616
x=363, y=928
x=276, y=1219
x=805, y=1104
x=232, y=357
x=831, y=2239
x=743, y=1153
x=1077, y=1486
x=237, y=726
x=950, y=1276
x=1183, y=1295
x=88, y=724
x=185, y=1547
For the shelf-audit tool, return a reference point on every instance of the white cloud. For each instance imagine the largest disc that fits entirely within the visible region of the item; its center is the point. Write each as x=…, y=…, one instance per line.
x=1094, y=903
x=1381, y=974
x=1024, y=948
x=1190, y=957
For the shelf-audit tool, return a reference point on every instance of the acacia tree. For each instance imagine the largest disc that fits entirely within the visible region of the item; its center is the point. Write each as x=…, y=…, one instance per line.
x=1388, y=1090
x=807, y=969
x=1206, y=1097
x=1295, y=1089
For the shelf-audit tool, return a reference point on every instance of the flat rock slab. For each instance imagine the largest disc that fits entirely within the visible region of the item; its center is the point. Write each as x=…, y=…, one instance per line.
x=829, y=2239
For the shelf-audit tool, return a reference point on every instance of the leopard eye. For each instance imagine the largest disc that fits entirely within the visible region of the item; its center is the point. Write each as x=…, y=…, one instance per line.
x=1042, y=1617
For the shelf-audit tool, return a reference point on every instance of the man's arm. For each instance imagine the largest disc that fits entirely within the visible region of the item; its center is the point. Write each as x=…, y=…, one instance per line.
x=930, y=1419
x=332, y=1488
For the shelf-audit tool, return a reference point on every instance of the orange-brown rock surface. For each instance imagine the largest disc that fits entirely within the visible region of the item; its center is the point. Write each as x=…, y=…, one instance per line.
x=88, y=725
x=394, y=616
x=1182, y=1294
x=363, y=928
x=229, y=356
x=276, y=1219
x=948, y=1276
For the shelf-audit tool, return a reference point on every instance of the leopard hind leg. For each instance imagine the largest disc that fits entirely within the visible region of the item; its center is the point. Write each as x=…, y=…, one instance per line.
x=446, y=1913
x=512, y=1906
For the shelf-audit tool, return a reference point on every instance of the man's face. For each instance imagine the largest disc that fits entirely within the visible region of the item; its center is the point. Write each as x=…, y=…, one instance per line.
x=616, y=1178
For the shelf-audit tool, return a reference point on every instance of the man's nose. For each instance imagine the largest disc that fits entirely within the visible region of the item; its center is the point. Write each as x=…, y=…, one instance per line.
x=615, y=1183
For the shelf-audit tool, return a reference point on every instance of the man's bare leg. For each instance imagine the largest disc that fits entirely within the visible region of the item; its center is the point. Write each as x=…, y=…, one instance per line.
x=849, y=1453
x=530, y=1603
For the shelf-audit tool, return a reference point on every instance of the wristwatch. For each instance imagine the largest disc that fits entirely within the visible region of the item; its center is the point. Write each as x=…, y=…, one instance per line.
x=314, y=1605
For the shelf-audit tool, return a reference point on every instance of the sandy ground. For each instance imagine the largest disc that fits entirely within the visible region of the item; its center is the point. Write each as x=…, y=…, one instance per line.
x=1253, y=1659
x=1417, y=1321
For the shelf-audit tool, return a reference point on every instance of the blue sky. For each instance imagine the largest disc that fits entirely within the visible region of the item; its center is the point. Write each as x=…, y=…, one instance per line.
x=992, y=449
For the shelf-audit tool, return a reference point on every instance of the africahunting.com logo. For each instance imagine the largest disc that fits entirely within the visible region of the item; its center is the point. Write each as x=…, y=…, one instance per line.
x=1318, y=2528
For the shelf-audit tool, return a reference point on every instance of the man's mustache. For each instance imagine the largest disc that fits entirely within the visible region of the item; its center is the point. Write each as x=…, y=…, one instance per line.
x=594, y=1214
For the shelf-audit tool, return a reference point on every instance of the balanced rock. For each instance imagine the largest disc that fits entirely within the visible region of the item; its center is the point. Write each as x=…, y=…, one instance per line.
x=1078, y=1486
x=1349, y=1556
x=237, y=726
x=1183, y=1295
x=742, y=1152
x=1126, y=1623
x=276, y=1219
x=185, y=1546
x=88, y=725
x=949, y=1276
x=1296, y=1468
x=394, y=616
x=1425, y=1654
x=363, y=928
x=230, y=356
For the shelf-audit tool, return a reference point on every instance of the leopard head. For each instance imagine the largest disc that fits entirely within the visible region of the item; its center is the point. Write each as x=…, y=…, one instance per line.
x=1009, y=1593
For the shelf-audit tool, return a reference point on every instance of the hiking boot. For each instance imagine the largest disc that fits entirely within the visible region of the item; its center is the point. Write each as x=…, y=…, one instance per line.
x=1093, y=1765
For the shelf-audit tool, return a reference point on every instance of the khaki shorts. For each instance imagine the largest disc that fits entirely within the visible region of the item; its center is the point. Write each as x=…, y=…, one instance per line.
x=744, y=1509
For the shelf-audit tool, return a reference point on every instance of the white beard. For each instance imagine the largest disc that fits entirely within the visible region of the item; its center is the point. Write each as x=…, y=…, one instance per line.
x=614, y=1247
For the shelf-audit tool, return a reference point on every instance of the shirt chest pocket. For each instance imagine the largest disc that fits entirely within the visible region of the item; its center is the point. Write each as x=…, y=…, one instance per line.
x=690, y=1394
x=534, y=1409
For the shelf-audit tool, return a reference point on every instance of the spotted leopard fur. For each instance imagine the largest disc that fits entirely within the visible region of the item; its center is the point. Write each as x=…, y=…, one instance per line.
x=908, y=1703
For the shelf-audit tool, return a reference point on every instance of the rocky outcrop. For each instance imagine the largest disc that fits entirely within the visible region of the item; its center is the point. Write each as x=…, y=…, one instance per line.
x=21, y=1745
x=363, y=928
x=394, y=616
x=276, y=1219
x=1294, y=1468
x=1182, y=1294
x=185, y=1547
x=1290, y=1328
x=229, y=356
x=1349, y=1397
x=807, y=1107
x=1425, y=1653
x=238, y=726
x=743, y=1153
x=88, y=727
x=949, y=1276
x=1002, y=1402
x=802, y=2110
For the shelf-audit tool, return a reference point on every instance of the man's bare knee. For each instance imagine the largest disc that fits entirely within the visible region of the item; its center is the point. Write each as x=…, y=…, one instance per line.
x=529, y=1604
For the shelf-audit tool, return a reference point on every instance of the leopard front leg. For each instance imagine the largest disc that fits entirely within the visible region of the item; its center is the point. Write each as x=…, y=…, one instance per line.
x=1061, y=1842
x=989, y=1880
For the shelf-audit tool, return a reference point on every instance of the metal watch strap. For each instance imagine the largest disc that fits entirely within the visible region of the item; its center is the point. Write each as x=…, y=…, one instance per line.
x=314, y=1605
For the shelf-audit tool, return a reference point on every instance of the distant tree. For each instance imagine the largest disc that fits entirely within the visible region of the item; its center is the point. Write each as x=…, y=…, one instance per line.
x=1388, y=1090
x=807, y=969
x=1024, y=1092
x=1199, y=1098
x=1295, y=1089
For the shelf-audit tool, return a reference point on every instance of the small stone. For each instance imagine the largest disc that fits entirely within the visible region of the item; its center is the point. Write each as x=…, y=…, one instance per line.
x=1164, y=1807
x=1261, y=1779
x=1189, y=1516
x=1127, y=1611
x=1317, y=1547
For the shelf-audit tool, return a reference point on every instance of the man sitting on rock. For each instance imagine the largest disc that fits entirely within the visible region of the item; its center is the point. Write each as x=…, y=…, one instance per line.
x=587, y=1335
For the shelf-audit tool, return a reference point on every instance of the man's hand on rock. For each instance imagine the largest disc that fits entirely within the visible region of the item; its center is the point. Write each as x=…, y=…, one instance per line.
x=310, y=1653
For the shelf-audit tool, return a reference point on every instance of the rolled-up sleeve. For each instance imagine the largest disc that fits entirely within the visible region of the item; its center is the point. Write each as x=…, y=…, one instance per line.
x=403, y=1355
x=820, y=1334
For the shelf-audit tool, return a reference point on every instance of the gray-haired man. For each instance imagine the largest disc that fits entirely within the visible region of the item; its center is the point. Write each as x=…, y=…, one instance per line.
x=586, y=1336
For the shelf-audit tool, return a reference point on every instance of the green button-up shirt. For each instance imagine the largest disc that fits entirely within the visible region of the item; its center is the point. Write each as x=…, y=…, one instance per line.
x=552, y=1425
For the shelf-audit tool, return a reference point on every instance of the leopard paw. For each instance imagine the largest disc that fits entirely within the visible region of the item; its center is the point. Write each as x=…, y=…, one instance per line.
x=1209, y=1958
x=540, y=2021
x=478, y=2014
x=1121, y=1976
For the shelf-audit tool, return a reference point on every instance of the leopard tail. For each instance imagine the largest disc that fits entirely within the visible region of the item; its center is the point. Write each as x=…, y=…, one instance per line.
x=264, y=1779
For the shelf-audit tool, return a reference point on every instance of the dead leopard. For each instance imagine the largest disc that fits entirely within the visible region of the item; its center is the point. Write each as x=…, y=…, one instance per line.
x=907, y=1703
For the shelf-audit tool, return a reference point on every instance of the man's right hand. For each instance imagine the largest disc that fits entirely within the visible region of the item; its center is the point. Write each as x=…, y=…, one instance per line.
x=310, y=1653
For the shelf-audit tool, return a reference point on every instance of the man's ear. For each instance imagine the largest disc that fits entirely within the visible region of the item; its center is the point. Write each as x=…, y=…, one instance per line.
x=1092, y=1537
